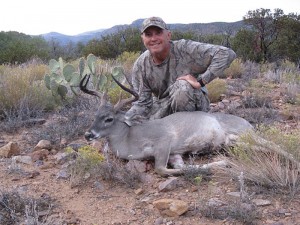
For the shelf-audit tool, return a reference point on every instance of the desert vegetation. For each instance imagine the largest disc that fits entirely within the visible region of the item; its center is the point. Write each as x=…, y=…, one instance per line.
x=40, y=95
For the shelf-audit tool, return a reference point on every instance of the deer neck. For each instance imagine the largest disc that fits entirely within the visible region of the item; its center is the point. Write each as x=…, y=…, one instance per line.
x=118, y=139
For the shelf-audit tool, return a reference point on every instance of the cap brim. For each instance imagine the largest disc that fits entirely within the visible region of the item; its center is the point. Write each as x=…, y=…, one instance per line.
x=152, y=25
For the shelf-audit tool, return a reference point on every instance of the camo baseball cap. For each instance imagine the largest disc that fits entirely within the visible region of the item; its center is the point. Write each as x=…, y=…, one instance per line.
x=153, y=21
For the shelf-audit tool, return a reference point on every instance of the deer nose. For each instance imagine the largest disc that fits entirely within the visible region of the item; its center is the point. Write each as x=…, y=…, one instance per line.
x=89, y=136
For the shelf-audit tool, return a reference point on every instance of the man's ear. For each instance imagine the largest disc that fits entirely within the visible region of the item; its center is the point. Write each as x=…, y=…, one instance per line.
x=169, y=35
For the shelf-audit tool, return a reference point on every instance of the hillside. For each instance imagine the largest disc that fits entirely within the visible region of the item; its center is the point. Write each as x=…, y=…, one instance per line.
x=201, y=28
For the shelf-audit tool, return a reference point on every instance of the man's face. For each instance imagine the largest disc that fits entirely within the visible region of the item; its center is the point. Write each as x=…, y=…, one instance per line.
x=156, y=40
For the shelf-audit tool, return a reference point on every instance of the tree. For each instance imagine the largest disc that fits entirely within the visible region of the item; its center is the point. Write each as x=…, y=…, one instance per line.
x=267, y=26
x=113, y=45
x=287, y=45
x=18, y=48
x=245, y=45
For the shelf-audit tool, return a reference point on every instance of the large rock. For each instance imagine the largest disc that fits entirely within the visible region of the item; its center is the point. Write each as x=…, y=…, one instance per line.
x=171, y=207
x=9, y=150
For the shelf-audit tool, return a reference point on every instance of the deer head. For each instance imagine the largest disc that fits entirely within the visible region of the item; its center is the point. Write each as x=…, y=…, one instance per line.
x=106, y=114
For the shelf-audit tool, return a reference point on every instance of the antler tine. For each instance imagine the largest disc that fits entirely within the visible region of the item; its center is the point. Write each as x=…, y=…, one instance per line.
x=83, y=86
x=124, y=102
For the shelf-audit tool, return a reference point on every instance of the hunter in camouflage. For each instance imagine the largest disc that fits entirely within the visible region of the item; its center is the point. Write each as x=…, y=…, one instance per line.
x=174, y=73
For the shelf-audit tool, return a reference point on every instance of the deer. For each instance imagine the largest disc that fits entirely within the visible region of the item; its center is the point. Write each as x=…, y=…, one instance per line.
x=162, y=139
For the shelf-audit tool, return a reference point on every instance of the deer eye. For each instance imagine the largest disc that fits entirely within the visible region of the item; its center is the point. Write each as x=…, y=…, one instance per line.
x=109, y=120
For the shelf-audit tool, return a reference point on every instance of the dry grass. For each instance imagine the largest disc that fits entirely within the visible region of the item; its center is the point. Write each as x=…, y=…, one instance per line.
x=265, y=163
x=114, y=170
x=22, y=91
x=17, y=209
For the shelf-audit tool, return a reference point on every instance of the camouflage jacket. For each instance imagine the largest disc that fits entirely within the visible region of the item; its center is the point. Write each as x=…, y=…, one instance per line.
x=186, y=57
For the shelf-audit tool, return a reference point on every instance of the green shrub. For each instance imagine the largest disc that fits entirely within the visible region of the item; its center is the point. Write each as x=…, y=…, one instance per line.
x=88, y=158
x=235, y=69
x=215, y=89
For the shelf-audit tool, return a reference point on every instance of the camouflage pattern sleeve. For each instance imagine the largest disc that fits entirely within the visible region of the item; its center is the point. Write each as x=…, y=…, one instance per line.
x=214, y=58
x=222, y=57
x=143, y=106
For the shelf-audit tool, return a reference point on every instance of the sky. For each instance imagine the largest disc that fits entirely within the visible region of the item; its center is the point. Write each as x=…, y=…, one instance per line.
x=34, y=17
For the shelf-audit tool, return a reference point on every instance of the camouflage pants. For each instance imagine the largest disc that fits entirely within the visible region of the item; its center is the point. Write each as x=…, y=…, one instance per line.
x=182, y=97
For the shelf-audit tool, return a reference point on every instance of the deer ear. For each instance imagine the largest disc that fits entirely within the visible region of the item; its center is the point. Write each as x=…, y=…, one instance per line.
x=104, y=98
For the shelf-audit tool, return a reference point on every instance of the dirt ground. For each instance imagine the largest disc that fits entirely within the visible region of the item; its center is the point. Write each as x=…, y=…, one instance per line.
x=115, y=204
x=99, y=202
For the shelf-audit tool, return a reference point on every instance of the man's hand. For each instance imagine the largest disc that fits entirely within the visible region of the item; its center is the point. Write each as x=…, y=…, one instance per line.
x=191, y=79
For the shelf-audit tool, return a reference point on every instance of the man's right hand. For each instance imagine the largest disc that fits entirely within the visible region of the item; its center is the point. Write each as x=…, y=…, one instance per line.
x=191, y=79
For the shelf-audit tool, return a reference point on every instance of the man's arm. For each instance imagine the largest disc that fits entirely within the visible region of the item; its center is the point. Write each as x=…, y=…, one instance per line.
x=221, y=58
x=142, y=106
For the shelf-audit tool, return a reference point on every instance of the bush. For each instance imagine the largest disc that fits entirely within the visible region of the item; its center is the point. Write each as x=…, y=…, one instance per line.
x=88, y=158
x=70, y=122
x=127, y=60
x=235, y=69
x=215, y=89
x=17, y=209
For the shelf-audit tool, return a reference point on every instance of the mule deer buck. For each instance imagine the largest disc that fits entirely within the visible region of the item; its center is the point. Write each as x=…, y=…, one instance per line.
x=176, y=134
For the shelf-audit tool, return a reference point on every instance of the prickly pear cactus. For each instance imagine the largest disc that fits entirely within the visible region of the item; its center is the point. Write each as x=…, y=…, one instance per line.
x=64, y=78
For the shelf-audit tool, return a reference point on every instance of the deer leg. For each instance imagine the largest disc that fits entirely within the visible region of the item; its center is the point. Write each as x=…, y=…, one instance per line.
x=161, y=160
x=176, y=161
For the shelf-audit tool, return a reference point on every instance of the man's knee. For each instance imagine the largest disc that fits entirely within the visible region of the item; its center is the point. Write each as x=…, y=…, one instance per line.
x=182, y=96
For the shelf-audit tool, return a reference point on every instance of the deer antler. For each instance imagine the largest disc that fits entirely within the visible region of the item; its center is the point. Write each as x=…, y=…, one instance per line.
x=83, y=87
x=124, y=102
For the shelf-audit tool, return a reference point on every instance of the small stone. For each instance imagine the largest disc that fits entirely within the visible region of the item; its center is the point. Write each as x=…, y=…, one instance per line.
x=43, y=144
x=9, y=150
x=138, y=191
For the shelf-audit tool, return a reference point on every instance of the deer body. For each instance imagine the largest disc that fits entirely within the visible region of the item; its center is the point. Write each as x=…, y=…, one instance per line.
x=178, y=133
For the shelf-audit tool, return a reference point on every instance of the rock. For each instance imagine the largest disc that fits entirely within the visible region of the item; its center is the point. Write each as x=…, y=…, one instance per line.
x=62, y=174
x=33, y=122
x=169, y=184
x=63, y=142
x=99, y=145
x=63, y=157
x=139, y=191
x=234, y=194
x=136, y=165
x=215, y=202
x=9, y=150
x=43, y=144
x=159, y=221
x=76, y=146
x=171, y=207
x=39, y=155
x=22, y=159
x=261, y=202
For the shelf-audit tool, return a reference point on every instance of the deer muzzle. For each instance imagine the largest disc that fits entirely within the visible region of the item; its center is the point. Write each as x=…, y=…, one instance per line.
x=89, y=136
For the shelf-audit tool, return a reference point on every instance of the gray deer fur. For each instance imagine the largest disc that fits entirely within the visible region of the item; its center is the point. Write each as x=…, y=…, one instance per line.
x=179, y=133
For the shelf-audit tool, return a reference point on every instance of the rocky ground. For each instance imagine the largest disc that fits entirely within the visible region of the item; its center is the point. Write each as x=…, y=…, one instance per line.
x=35, y=174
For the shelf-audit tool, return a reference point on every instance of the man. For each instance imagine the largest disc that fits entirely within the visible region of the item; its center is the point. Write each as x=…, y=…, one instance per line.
x=171, y=75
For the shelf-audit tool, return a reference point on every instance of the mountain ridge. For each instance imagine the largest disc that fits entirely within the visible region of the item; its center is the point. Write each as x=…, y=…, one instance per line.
x=201, y=28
